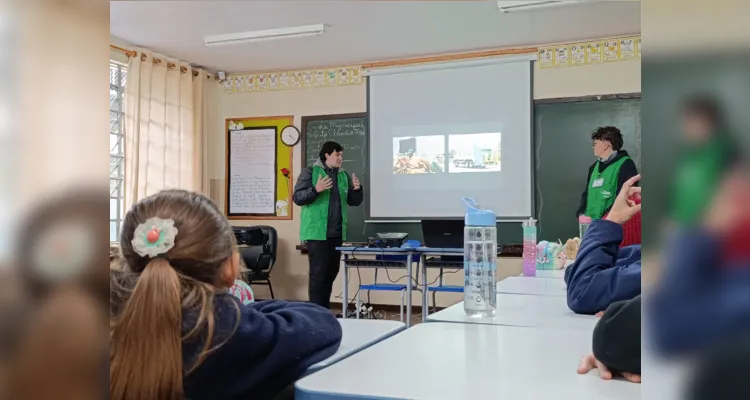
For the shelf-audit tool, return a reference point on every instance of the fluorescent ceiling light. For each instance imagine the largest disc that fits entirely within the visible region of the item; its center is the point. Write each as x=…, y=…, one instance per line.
x=270, y=34
x=515, y=6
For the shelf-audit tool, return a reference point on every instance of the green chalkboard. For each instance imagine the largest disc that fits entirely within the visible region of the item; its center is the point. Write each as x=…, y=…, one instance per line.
x=562, y=151
x=562, y=136
x=349, y=130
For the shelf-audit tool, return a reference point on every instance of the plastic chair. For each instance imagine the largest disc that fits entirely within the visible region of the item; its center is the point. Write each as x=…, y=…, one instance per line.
x=260, y=260
x=441, y=288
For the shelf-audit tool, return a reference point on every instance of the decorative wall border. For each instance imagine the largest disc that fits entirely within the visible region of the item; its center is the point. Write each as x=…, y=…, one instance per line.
x=290, y=80
x=590, y=52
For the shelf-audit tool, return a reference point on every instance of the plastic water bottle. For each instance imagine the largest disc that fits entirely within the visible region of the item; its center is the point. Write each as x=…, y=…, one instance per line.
x=529, y=247
x=480, y=261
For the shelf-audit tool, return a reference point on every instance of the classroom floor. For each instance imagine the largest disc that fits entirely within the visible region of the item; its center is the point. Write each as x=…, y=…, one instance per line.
x=389, y=315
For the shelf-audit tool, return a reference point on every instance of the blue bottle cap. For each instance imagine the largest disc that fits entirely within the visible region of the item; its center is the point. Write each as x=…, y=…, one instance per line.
x=476, y=216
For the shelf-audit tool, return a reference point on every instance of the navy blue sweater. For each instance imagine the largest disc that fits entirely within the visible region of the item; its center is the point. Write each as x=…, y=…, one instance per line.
x=273, y=345
x=603, y=273
x=700, y=300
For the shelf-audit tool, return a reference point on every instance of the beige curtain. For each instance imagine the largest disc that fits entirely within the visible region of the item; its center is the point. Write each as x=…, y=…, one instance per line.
x=164, y=128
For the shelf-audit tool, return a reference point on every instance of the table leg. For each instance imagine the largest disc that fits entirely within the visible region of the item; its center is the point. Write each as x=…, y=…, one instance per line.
x=408, y=290
x=425, y=307
x=345, y=291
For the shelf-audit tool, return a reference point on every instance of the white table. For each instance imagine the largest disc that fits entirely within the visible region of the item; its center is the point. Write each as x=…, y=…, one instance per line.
x=534, y=286
x=522, y=310
x=359, y=334
x=435, y=361
x=550, y=273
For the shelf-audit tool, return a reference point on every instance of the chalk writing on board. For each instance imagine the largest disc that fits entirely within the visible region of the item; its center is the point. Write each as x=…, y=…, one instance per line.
x=349, y=132
x=252, y=180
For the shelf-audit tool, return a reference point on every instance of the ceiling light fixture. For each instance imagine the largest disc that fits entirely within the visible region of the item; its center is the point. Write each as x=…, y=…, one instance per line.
x=515, y=6
x=270, y=34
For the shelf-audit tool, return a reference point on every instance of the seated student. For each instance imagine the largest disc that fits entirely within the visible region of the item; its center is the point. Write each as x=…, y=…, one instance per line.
x=702, y=297
x=616, y=343
x=176, y=332
x=603, y=273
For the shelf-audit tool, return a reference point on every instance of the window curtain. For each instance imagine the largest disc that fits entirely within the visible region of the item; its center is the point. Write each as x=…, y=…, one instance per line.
x=165, y=127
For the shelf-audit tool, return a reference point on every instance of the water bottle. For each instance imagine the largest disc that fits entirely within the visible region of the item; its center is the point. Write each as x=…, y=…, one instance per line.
x=529, y=247
x=480, y=261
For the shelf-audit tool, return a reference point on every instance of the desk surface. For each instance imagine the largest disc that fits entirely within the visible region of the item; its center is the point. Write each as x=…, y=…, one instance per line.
x=359, y=334
x=532, y=286
x=550, y=273
x=460, y=361
x=522, y=310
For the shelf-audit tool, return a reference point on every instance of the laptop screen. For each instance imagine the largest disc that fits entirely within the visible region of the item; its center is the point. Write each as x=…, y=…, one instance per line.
x=443, y=233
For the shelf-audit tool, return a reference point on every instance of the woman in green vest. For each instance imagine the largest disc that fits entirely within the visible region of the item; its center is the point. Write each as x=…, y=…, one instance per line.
x=324, y=191
x=606, y=176
x=706, y=154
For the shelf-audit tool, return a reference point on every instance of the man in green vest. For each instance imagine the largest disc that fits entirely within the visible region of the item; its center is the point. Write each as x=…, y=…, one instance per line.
x=324, y=190
x=606, y=176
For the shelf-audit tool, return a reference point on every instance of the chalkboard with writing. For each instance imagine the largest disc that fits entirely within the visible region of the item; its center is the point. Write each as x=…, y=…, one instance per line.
x=350, y=131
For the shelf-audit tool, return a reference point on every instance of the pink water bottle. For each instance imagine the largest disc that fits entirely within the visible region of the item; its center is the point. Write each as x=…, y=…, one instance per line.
x=529, y=247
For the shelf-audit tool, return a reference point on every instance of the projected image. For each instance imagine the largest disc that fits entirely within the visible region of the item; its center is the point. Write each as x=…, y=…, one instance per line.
x=476, y=152
x=418, y=155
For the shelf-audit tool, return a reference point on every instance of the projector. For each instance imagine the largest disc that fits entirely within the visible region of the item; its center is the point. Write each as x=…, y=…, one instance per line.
x=388, y=239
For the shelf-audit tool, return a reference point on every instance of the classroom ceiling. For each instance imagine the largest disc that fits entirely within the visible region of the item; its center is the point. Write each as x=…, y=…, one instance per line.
x=357, y=31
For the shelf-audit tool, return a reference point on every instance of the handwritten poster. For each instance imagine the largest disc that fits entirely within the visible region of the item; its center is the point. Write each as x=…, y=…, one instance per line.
x=562, y=56
x=627, y=48
x=611, y=50
x=577, y=54
x=545, y=58
x=252, y=171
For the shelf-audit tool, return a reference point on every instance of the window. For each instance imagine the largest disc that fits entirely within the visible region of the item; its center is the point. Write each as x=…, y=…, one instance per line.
x=117, y=75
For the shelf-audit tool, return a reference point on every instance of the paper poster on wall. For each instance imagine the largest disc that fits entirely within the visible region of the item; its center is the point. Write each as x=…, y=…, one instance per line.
x=252, y=171
x=273, y=81
x=284, y=80
x=355, y=75
x=258, y=169
x=296, y=79
x=593, y=52
x=627, y=49
x=562, y=56
x=611, y=50
x=577, y=54
x=320, y=77
x=307, y=78
x=639, y=47
x=545, y=58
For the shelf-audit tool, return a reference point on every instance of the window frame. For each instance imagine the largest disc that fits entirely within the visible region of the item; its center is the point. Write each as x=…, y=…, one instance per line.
x=117, y=152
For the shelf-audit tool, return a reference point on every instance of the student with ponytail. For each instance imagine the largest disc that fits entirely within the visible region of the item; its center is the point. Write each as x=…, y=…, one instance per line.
x=175, y=330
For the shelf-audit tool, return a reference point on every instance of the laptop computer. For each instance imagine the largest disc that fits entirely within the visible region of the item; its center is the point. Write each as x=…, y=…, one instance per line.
x=444, y=233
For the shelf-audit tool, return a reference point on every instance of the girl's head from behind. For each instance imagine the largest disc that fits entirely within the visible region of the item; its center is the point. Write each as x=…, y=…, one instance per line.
x=178, y=251
x=204, y=246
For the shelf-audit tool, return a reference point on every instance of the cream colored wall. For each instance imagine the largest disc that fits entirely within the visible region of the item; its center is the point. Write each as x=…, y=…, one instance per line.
x=290, y=273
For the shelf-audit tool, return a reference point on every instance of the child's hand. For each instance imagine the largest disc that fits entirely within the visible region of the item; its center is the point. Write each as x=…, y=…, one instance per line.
x=589, y=362
x=624, y=208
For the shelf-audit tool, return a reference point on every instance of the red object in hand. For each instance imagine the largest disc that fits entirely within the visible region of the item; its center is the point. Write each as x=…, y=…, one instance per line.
x=631, y=230
x=285, y=172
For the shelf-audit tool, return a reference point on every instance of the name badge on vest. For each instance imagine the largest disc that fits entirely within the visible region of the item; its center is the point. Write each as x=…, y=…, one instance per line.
x=597, y=182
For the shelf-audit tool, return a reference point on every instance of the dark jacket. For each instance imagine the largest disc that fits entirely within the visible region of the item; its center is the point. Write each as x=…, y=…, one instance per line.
x=616, y=342
x=272, y=346
x=305, y=193
x=701, y=299
x=627, y=171
x=603, y=273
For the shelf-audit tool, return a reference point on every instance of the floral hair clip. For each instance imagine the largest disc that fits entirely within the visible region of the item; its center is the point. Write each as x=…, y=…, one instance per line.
x=153, y=237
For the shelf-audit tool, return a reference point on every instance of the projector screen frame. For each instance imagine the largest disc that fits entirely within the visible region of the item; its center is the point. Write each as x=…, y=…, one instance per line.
x=532, y=149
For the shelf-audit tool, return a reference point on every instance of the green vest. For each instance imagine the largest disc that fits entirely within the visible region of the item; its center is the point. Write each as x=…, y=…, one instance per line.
x=314, y=224
x=603, y=188
x=697, y=178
